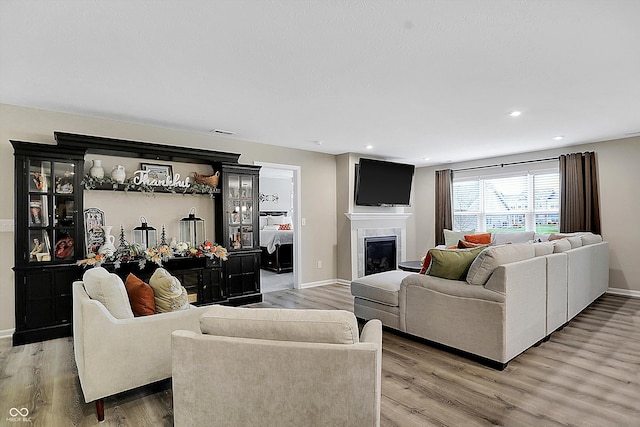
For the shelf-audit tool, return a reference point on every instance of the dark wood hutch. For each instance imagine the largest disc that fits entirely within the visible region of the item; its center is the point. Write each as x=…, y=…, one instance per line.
x=49, y=215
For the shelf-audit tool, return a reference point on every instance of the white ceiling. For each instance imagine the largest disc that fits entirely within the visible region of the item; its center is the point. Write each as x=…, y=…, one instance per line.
x=414, y=79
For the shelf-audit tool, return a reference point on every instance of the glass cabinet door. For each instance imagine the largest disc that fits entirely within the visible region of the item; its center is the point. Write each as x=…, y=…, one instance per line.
x=52, y=214
x=240, y=210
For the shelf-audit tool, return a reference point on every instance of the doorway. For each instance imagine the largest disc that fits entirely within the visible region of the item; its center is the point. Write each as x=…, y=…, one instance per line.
x=280, y=203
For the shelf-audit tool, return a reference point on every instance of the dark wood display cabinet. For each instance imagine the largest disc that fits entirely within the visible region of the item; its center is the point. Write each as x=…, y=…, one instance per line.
x=48, y=241
x=241, y=232
x=49, y=229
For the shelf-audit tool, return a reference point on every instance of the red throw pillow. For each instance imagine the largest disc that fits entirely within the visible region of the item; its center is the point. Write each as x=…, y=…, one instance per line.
x=284, y=227
x=463, y=244
x=482, y=238
x=140, y=296
x=425, y=263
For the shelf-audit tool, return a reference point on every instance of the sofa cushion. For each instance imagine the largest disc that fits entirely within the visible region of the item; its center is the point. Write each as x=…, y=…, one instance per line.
x=590, y=239
x=543, y=248
x=575, y=241
x=451, y=237
x=479, y=238
x=561, y=245
x=319, y=326
x=140, y=296
x=494, y=256
x=452, y=263
x=380, y=287
x=512, y=237
x=169, y=294
x=109, y=290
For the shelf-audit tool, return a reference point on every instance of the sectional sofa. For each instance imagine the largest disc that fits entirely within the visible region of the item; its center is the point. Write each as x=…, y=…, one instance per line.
x=511, y=297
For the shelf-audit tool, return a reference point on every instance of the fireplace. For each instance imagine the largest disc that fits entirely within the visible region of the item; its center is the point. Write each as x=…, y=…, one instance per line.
x=380, y=254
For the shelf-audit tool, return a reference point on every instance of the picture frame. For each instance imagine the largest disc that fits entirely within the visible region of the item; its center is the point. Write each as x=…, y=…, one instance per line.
x=157, y=172
x=94, y=233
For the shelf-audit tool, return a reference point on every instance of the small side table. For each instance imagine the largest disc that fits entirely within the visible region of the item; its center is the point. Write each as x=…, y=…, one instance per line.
x=413, y=266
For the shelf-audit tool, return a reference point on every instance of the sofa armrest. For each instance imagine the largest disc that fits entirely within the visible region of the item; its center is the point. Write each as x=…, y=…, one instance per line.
x=372, y=332
x=120, y=354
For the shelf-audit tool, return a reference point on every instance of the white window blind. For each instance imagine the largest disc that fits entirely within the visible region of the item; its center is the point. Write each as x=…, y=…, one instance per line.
x=523, y=201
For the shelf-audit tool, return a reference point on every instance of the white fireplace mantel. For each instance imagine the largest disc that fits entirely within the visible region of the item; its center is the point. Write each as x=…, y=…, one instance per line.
x=373, y=224
x=368, y=216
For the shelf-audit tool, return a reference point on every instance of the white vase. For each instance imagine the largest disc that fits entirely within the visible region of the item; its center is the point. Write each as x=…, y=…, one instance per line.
x=108, y=247
x=118, y=174
x=96, y=170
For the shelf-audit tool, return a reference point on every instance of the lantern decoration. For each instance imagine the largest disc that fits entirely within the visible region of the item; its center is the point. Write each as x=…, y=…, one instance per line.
x=192, y=229
x=145, y=235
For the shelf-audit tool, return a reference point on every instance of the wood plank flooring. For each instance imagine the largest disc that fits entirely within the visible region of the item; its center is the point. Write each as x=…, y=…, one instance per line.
x=587, y=374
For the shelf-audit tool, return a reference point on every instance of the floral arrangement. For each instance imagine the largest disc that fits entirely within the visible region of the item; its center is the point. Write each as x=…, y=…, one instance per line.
x=90, y=183
x=158, y=254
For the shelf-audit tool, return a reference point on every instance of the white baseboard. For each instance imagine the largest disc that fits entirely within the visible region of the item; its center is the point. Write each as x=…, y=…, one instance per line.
x=625, y=292
x=6, y=333
x=344, y=282
x=322, y=283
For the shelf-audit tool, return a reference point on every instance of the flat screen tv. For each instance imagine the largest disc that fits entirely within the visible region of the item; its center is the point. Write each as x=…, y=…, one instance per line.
x=382, y=183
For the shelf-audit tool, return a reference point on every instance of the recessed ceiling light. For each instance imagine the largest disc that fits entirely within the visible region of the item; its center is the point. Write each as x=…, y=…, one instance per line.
x=368, y=147
x=558, y=138
x=426, y=158
x=317, y=142
x=515, y=113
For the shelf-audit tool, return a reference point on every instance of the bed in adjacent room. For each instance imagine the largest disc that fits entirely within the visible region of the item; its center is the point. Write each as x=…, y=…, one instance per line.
x=276, y=241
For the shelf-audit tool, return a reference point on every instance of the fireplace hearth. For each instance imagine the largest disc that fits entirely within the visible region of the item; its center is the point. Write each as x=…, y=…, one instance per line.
x=380, y=254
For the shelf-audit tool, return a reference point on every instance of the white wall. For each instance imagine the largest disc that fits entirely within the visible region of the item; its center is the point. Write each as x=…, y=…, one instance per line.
x=619, y=176
x=281, y=188
x=318, y=178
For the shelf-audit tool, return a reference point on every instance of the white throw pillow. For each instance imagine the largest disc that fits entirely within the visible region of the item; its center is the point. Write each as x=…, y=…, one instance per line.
x=271, y=220
x=515, y=237
x=451, y=237
x=109, y=289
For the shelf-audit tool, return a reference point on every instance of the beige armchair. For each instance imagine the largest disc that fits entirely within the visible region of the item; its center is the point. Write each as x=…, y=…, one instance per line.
x=277, y=367
x=115, y=355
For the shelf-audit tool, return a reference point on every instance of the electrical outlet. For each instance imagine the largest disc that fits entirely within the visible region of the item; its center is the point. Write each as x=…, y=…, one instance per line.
x=304, y=221
x=319, y=264
x=6, y=225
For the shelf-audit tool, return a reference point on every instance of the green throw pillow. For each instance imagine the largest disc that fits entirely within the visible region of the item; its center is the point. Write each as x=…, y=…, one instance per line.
x=452, y=263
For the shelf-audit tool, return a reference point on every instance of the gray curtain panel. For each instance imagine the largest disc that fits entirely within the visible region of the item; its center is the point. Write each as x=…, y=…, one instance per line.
x=444, y=213
x=579, y=199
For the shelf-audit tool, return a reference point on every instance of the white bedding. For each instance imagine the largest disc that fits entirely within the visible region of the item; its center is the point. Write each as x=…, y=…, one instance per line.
x=271, y=238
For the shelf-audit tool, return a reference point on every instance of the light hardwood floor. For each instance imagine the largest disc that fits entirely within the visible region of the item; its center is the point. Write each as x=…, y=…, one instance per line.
x=587, y=374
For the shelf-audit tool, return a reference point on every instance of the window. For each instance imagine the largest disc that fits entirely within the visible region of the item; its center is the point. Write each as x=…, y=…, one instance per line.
x=528, y=201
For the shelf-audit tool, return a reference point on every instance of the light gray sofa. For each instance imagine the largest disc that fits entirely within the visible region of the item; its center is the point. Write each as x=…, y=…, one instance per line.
x=277, y=367
x=531, y=290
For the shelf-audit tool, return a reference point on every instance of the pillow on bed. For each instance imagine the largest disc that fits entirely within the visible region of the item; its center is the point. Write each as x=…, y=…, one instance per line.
x=263, y=222
x=271, y=227
x=275, y=220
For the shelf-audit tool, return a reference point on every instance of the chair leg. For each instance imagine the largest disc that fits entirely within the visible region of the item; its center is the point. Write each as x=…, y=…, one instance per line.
x=100, y=409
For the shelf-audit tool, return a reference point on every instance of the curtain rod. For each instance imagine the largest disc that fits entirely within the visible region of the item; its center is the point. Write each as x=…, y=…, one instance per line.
x=505, y=164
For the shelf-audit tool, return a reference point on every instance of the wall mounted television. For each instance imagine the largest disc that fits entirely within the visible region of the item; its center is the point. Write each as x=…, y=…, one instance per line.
x=382, y=183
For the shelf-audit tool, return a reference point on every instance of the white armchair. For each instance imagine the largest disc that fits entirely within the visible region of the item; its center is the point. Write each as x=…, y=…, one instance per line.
x=258, y=367
x=115, y=355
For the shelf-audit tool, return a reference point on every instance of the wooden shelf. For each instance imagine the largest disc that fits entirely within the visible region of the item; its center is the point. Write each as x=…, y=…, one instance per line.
x=145, y=190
